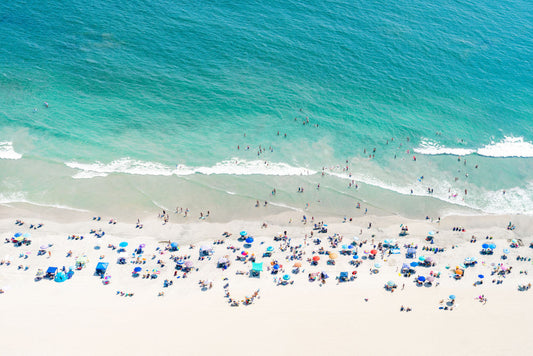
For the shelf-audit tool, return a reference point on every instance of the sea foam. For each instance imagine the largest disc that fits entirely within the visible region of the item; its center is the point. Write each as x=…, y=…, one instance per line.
x=233, y=167
x=508, y=147
x=8, y=152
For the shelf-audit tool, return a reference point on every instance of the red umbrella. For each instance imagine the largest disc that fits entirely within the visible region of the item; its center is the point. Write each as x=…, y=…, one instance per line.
x=316, y=258
x=374, y=252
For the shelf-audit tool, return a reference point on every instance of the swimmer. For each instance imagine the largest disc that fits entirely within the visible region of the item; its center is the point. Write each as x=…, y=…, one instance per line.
x=45, y=104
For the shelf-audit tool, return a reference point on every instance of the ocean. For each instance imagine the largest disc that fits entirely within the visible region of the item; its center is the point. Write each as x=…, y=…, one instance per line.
x=426, y=106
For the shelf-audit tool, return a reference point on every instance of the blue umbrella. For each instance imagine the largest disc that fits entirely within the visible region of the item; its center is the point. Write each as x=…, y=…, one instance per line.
x=243, y=233
x=414, y=264
x=480, y=276
x=452, y=297
x=137, y=269
x=286, y=277
x=377, y=265
x=249, y=240
x=355, y=257
x=344, y=247
x=431, y=233
x=506, y=250
x=17, y=234
x=492, y=246
x=123, y=244
x=276, y=266
x=485, y=246
x=350, y=246
x=270, y=249
x=422, y=258
x=26, y=235
x=174, y=244
x=421, y=278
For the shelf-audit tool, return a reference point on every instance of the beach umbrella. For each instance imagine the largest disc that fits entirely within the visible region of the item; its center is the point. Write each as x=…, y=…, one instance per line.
x=377, y=265
x=142, y=246
x=391, y=283
x=82, y=259
x=137, y=269
x=244, y=253
x=298, y=264
x=286, y=277
x=123, y=244
x=174, y=245
x=374, y=252
x=60, y=277
x=462, y=266
x=405, y=266
x=188, y=264
x=355, y=238
x=243, y=233
x=350, y=247
x=249, y=240
x=506, y=251
x=411, y=250
x=492, y=246
x=431, y=233
x=385, y=241
x=484, y=246
x=270, y=249
x=276, y=266
x=422, y=258
x=430, y=279
x=26, y=235
x=17, y=234
x=316, y=258
x=223, y=260
x=20, y=238
x=414, y=264
x=429, y=259
x=43, y=247
x=333, y=255
x=480, y=276
x=452, y=297
x=421, y=278
x=355, y=257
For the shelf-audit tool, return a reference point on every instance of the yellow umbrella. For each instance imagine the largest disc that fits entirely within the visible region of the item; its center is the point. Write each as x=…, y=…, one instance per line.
x=333, y=255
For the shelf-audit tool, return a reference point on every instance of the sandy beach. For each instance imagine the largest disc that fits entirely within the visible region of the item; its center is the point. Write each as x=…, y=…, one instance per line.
x=227, y=311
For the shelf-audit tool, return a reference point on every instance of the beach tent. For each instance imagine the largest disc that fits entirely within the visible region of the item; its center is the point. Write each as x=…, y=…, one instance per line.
x=51, y=272
x=206, y=250
x=101, y=268
x=343, y=276
x=257, y=268
x=223, y=262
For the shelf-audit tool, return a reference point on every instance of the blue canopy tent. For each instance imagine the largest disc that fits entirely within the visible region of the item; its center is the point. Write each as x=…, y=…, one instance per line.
x=51, y=272
x=101, y=268
x=343, y=276
x=257, y=268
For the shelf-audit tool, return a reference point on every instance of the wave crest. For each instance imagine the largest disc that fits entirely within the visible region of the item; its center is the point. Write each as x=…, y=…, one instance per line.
x=233, y=167
x=508, y=147
x=8, y=152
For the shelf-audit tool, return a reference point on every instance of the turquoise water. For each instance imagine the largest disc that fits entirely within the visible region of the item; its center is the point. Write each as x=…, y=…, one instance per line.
x=160, y=88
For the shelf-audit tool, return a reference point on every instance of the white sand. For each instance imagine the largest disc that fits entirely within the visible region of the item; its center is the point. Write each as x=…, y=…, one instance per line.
x=83, y=316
